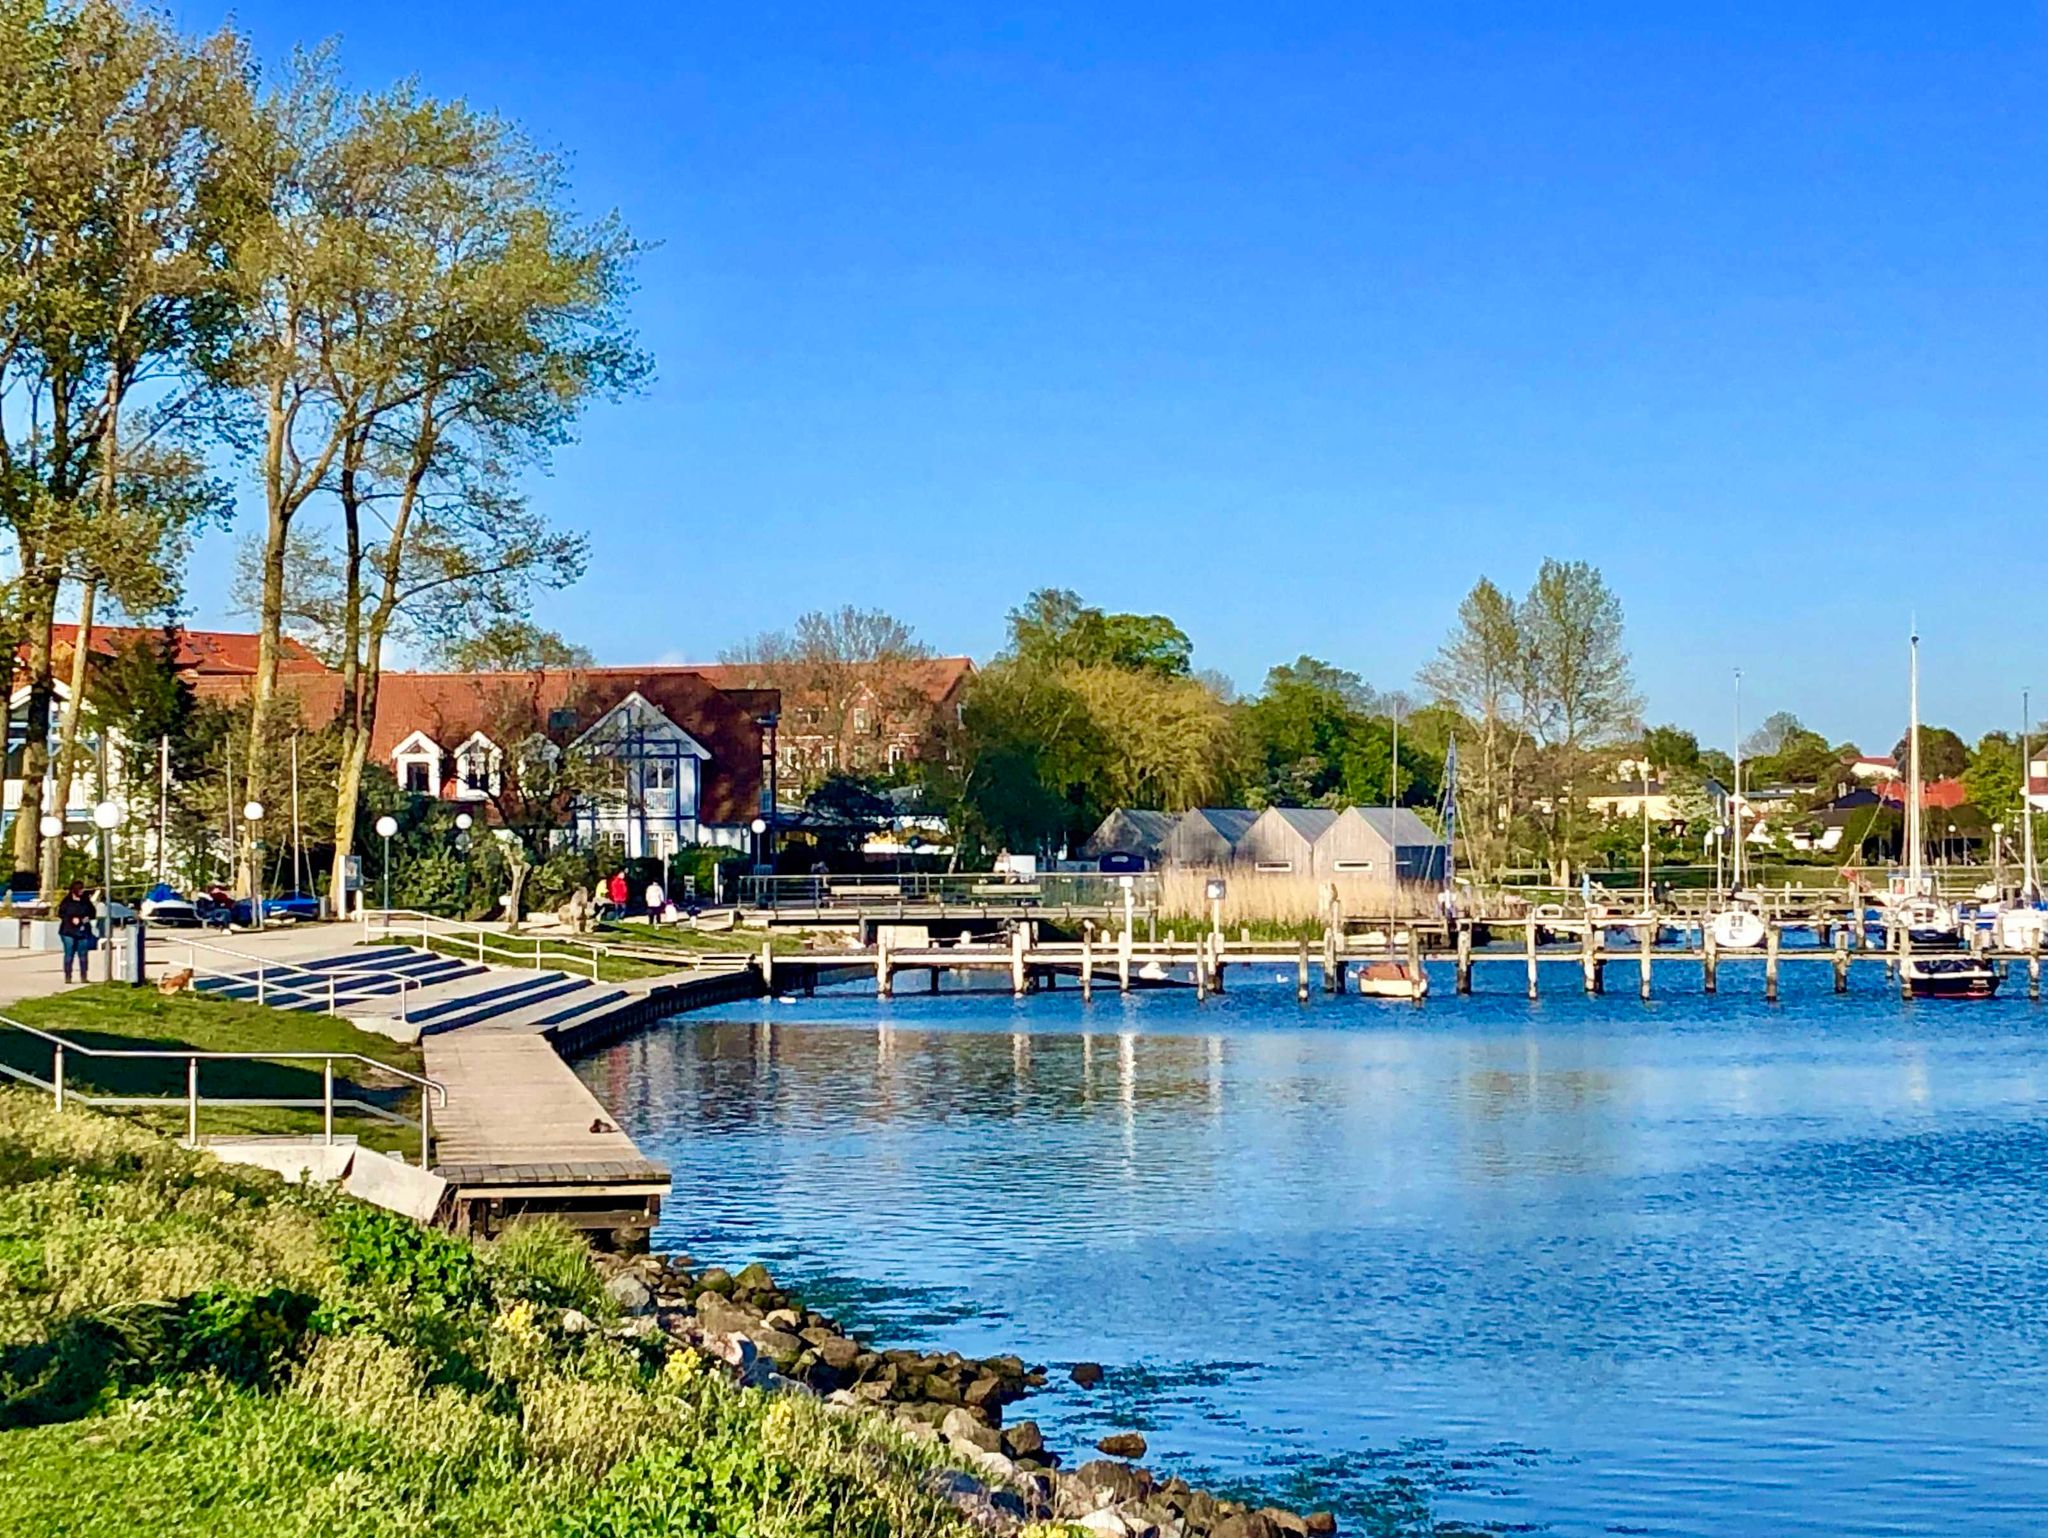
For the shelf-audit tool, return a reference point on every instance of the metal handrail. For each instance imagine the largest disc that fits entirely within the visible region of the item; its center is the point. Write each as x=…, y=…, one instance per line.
x=490, y=943
x=401, y=983
x=432, y=1090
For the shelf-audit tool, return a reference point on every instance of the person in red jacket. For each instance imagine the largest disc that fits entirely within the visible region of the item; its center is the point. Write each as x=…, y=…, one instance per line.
x=615, y=889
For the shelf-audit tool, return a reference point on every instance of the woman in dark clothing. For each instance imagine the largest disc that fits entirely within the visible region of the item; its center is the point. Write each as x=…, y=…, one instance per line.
x=75, y=917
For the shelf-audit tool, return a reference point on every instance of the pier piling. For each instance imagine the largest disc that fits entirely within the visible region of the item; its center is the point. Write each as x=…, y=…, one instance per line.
x=1529, y=953
x=1710, y=961
x=1841, y=960
x=1773, y=937
x=1464, y=956
x=1646, y=937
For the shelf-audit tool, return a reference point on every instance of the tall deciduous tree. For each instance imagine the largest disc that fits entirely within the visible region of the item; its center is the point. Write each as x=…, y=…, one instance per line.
x=478, y=319
x=1579, y=690
x=1484, y=671
x=121, y=185
x=845, y=674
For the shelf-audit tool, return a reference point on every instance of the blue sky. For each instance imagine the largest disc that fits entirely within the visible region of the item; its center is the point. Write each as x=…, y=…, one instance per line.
x=1290, y=320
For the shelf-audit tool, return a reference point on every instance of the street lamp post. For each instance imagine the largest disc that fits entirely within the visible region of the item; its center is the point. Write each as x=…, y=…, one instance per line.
x=386, y=826
x=759, y=826
x=463, y=822
x=252, y=815
x=107, y=817
x=52, y=827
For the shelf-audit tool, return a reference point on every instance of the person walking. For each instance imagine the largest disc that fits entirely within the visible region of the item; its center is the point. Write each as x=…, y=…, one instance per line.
x=75, y=918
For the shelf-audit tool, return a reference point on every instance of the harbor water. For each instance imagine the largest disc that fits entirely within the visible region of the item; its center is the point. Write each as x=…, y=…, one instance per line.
x=1582, y=1266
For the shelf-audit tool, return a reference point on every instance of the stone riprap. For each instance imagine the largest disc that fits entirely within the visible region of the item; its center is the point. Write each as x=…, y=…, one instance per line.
x=1006, y=1476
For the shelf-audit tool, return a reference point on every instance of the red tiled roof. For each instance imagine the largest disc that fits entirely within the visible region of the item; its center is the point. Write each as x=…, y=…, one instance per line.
x=937, y=678
x=1945, y=794
x=451, y=707
x=199, y=653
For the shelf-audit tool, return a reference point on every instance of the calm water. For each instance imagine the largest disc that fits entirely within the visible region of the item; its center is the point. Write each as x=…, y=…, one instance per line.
x=1584, y=1266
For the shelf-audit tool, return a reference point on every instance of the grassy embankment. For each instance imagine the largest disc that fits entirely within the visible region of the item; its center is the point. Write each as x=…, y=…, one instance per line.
x=115, y=1017
x=190, y=1348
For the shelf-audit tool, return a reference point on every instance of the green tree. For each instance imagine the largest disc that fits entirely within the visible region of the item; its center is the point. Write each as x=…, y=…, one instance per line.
x=120, y=201
x=1943, y=755
x=1483, y=672
x=1579, y=692
x=1994, y=778
x=512, y=646
x=476, y=320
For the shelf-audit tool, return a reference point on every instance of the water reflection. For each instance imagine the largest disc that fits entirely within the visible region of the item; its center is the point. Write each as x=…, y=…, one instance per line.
x=1727, y=1266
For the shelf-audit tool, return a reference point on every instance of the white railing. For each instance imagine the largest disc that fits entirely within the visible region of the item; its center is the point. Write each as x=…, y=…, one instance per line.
x=63, y=1049
x=536, y=950
x=282, y=985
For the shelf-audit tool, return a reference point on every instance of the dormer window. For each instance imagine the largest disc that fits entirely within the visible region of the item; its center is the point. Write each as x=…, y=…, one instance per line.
x=478, y=768
x=416, y=765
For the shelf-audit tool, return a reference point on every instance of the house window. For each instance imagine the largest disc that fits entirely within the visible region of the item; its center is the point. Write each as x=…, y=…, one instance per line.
x=476, y=769
x=1354, y=865
x=415, y=777
x=860, y=720
x=1274, y=867
x=659, y=774
x=897, y=753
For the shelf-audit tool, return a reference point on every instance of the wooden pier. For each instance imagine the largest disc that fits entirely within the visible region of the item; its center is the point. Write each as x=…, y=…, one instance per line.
x=1123, y=961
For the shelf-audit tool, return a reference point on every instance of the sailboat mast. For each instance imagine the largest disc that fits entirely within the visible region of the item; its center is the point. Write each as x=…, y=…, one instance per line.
x=2030, y=880
x=1735, y=880
x=1917, y=864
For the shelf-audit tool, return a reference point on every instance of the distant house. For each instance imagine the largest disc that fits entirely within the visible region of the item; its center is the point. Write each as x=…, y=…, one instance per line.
x=686, y=759
x=859, y=719
x=1206, y=836
x=1379, y=844
x=1624, y=799
x=1935, y=795
x=1867, y=768
x=1124, y=831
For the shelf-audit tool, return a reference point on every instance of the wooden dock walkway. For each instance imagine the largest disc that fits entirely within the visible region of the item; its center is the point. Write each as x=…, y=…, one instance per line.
x=522, y=1134
x=1123, y=961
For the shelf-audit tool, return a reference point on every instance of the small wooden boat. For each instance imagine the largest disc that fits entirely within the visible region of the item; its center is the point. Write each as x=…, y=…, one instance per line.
x=1393, y=980
x=1950, y=977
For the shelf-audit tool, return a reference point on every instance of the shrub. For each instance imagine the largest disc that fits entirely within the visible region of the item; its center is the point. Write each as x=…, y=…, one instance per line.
x=548, y=1263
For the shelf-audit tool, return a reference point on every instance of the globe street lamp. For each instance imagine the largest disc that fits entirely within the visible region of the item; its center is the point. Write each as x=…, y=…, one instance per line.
x=252, y=815
x=463, y=823
x=759, y=826
x=107, y=817
x=386, y=826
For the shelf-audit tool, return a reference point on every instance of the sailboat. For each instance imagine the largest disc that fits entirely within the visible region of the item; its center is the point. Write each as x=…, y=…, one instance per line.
x=1737, y=927
x=2023, y=923
x=1392, y=979
x=1927, y=919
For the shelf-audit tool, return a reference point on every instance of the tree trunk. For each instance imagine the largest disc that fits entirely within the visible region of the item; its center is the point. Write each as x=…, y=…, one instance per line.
x=67, y=732
x=40, y=605
x=515, y=889
x=356, y=718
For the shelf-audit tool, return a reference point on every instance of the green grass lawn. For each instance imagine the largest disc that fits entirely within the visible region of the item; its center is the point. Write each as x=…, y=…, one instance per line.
x=189, y=1348
x=115, y=1017
x=746, y=942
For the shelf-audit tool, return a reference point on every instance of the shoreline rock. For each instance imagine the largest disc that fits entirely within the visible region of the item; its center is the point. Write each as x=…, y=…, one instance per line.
x=1008, y=1476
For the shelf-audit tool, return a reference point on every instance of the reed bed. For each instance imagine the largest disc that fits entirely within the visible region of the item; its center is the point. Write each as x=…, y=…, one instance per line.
x=1287, y=900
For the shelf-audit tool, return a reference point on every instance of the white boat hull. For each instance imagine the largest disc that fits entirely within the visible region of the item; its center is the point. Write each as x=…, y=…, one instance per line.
x=1392, y=980
x=1737, y=929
